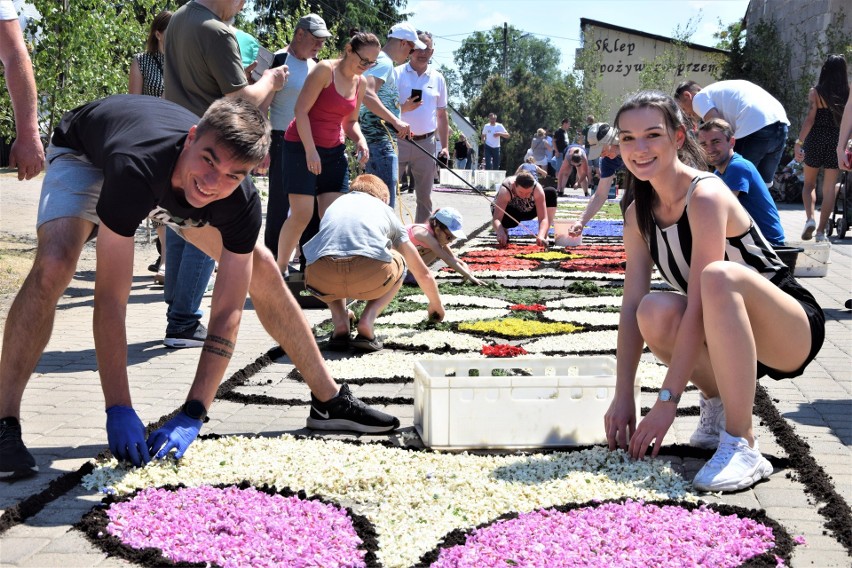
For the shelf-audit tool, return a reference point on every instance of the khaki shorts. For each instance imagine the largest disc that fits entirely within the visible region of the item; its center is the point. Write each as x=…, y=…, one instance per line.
x=355, y=277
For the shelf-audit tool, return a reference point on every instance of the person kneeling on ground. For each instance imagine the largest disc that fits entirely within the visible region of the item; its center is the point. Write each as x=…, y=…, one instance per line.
x=114, y=162
x=521, y=198
x=432, y=240
x=360, y=252
x=576, y=160
x=737, y=313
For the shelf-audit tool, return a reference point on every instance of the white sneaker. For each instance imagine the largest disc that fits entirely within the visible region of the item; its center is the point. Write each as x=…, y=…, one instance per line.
x=734, y=466
x=808, y=231
x=820, y=237
x=711, y=423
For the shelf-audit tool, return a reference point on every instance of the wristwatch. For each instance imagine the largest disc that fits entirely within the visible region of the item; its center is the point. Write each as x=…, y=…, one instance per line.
x=194, y=409
x=668, y=396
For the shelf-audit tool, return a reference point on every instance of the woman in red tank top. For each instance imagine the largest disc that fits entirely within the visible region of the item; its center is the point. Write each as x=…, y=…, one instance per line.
x=326, y=113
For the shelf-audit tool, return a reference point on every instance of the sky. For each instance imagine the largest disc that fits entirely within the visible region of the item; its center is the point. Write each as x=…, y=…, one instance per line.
x=450, y=21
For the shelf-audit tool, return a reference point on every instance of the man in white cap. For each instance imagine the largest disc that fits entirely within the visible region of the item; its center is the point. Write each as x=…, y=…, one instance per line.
x=381, y=103
x=300, y=57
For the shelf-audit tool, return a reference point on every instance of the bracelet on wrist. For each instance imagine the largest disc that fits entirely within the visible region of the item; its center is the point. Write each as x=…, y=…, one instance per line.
x=798, y=141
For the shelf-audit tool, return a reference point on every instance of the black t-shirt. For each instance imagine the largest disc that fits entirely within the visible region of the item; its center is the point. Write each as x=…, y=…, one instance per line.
x=136, y=141
x=560, y=138
x=461, y=150
x=586, y=144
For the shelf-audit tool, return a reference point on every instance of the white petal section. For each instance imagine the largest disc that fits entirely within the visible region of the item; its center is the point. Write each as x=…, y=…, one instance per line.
x=651, y=375
x=450, y=316
x=412, y=498
x=387, y=364
x=431, y=338
x=589, y=318
x=593, y=341
x=585, y=302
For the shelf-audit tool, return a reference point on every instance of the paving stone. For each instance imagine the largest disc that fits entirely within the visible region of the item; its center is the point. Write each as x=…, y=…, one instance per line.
x=16, y=550
x=72, y=542
x=69, y=560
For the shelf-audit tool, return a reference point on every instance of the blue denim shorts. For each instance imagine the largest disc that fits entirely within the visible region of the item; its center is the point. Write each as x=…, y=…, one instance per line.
x=334, y=177
x=71, y=187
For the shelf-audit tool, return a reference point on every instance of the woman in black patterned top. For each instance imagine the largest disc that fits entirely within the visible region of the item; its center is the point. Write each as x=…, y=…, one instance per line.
x=146, y=78
x=737, y=312
x=146, y=69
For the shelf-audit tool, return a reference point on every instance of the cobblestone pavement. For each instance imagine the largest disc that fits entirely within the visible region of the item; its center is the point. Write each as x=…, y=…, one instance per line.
x=64, y=421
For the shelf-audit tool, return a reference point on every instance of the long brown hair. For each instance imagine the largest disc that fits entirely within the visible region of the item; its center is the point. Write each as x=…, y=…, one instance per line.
x=833, y=85
x=690, y=154
x=158, y=24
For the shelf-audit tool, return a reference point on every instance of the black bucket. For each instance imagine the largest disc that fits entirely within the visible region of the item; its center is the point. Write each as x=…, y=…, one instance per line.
x=306, y=300
x=788, y=256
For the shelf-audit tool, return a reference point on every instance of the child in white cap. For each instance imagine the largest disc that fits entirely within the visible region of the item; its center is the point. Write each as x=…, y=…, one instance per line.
x=432, y=240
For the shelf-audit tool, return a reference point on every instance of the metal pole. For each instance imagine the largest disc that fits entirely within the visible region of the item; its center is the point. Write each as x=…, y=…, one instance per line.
x=505, y=50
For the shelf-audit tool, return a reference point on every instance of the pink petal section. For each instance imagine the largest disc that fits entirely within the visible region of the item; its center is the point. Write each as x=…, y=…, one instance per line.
x=632, y=534
x=237, y=527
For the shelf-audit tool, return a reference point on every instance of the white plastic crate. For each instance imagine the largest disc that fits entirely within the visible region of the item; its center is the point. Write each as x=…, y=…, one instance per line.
x=813, y=261
x=561, y=403
x=477, y=178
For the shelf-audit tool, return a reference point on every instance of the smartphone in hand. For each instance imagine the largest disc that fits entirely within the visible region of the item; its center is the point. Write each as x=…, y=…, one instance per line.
x=264, y=61
x=416, y=95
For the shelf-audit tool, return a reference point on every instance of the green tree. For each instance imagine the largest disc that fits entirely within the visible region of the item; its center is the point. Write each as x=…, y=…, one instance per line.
x=765, y=57
x=80, y=53
x=661, y=72
x=525, y=103
x=481, y=56
x=451, y=77
x=375, y=16
x=281, y=32
x=592, y=100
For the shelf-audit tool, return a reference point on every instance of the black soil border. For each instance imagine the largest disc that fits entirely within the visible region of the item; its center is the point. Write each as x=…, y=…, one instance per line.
x=94, y=526
x=783, y=542
x=837, y=513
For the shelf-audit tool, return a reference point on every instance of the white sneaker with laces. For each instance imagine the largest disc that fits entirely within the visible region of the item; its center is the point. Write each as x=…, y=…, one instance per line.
x=808, y=231
x=711, y=423
x=820, y=237
x=734, y=466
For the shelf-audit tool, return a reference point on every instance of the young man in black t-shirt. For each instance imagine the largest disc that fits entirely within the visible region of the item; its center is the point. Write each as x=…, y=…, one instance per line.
x=113, y=163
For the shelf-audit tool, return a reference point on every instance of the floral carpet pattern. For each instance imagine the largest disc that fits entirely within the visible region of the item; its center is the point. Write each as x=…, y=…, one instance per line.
x=316, y=501
x=416, y=500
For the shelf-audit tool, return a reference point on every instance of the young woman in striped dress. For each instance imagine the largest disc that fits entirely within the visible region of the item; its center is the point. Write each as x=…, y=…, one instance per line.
x=736, y=313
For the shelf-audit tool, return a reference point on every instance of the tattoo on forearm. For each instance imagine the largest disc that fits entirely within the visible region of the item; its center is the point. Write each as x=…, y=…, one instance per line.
x=226, y=351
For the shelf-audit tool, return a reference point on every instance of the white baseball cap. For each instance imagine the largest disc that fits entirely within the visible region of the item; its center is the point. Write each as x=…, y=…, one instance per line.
x=600, y=134
x=406, y=31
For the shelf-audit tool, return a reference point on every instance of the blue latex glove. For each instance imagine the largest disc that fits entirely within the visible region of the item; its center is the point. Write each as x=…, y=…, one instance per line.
x=178, y=433
x=126, y=435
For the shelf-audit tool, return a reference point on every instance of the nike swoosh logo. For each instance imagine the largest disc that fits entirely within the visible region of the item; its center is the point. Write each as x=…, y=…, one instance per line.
x=322, y=414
